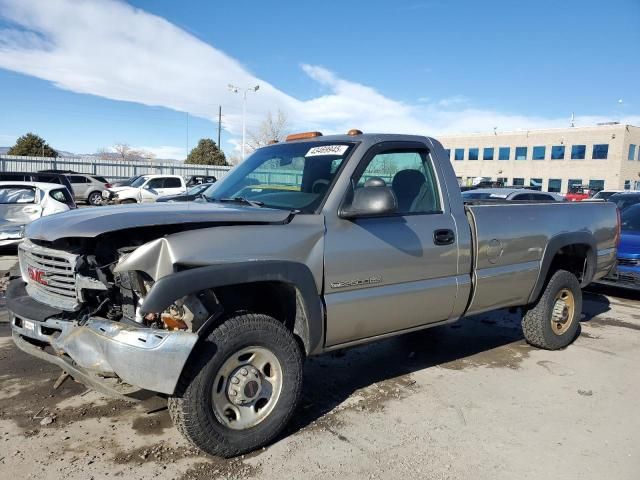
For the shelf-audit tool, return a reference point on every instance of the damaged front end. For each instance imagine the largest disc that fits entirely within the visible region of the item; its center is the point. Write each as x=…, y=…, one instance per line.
x=74, y=308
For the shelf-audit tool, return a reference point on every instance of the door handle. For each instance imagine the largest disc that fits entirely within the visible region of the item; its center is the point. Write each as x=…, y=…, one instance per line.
x=444, y=236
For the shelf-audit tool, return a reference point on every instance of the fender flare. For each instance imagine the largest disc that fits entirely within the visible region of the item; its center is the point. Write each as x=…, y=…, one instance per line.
x=171, y=287
x=553, y=247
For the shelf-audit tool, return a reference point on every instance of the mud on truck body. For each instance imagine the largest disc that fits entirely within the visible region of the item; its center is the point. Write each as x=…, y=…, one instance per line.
x=310, y=245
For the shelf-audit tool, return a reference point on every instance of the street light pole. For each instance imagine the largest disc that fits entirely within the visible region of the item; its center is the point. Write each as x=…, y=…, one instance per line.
x=235, y=89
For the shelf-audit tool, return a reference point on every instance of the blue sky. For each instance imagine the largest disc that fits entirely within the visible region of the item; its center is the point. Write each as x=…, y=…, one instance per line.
x=86, y=75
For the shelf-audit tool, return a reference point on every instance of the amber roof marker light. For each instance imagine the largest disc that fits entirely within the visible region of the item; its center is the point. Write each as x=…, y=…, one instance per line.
x=300, y=136
x=353, y=132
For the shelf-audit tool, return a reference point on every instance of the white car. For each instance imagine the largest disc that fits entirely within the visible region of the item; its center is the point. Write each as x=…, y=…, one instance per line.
x=146, y=188
x=23, y=202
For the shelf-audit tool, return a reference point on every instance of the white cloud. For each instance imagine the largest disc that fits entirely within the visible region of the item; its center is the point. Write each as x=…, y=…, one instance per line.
x=113, y=50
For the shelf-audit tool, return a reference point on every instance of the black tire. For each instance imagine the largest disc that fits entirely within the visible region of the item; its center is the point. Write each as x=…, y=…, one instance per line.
x=128, y=201
x=191, y=408
x=95, y=199
x=537, y=325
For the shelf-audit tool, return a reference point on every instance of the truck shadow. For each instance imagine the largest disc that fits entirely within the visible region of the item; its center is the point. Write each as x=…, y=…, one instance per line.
x=364, y=378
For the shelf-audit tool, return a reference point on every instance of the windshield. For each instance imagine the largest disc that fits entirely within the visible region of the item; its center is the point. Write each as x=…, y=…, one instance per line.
x=13, y=195
x=292, y=176
x=198, y=189
x=624, y=201
x=138, y=182
x=630, y=219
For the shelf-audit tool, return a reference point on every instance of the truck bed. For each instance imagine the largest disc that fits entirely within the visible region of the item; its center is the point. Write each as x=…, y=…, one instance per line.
x=509, y=240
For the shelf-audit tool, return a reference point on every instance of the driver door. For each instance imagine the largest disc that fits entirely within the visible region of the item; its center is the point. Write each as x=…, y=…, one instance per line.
x=392, y=273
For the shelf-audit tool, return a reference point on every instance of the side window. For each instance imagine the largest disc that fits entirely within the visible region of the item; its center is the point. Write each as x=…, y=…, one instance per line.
x=77, y=179
x=172, y=182
x=410, y=175
x=155, y=183
x=62, y=196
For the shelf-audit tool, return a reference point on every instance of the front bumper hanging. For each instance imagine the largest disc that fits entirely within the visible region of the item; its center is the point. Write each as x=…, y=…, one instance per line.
x=108, y=356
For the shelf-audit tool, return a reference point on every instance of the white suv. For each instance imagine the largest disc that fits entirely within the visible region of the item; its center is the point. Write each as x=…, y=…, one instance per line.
x=146, y=189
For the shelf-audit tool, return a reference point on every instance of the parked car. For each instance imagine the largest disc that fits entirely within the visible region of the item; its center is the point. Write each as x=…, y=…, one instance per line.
x=23, y=202
x=627, y=271
x=127, y=182
x=193, y=193
x=605, y=194
x=41, y=177
x=215, y=305
x=88, y=188
x=625, y=199
x=577, y=193
x=511, y=194
x=199, y=179
x=146, y=188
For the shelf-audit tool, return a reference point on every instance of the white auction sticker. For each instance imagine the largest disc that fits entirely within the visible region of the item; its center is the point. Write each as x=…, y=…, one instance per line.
x=327, y=150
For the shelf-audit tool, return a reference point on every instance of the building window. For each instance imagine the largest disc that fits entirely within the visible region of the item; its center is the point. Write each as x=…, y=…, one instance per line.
x=473, y=154
x=518, y=182
x=632, y=152
x=557, y=152
x=504, y=153
x=535, y=183
x=459, y=154
x=578, y=152
x=539, y=152
x=502, y=181
x=487, y=154
x=596, y=185
x=447, y=151
x=555, y=185
x=600, y=152
x=573, y=182
x=521, y=153
x=627, y=184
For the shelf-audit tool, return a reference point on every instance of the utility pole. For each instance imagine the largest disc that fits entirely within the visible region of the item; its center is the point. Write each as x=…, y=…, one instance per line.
x=219, y=123
x=187, y=136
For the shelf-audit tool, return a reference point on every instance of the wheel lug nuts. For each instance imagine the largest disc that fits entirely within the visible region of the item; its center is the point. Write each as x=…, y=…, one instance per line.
x=233, y=393
x=235, y=380
x=244, y=372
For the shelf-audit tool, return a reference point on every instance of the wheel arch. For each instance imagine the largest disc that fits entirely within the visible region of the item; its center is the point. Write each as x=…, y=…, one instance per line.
x=283, y=289
x=574, y=252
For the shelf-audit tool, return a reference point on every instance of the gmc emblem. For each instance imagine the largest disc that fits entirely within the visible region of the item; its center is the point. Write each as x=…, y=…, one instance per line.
x=37, y=275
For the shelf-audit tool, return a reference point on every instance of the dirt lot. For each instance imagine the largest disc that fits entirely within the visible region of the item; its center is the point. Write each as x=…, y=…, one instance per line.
x=471, y=400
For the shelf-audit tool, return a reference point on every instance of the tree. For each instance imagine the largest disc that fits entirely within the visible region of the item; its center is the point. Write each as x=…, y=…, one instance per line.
x=206, y=153
x=31, y=145
x=124, y=152
x=270, y=129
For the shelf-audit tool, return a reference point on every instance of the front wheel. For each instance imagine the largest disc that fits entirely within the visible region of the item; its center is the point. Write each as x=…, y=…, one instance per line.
x=240, y=387
x=554, y=321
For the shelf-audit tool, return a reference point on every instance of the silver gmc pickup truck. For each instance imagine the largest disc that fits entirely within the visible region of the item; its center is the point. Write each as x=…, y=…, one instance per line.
x=312, y=244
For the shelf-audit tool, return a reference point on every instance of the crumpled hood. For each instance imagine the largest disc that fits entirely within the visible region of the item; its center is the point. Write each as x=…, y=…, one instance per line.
x=91, y=222
x=629, y=245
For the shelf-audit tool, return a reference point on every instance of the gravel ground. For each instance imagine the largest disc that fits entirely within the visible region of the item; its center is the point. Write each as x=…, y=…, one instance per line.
x=470, y=400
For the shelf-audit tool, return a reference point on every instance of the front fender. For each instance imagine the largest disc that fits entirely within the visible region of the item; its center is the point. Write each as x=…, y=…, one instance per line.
x=177, y=285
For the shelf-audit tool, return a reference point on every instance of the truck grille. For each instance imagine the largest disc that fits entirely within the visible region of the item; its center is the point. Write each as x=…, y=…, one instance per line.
x=49, y=275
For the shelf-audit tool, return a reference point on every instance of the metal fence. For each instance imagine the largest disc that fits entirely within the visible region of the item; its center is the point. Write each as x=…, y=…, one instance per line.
x=110, y=169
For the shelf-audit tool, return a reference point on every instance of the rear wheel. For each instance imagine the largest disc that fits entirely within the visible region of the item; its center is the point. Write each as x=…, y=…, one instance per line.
x=95, y=199
x=240, y=387
x=554, y=321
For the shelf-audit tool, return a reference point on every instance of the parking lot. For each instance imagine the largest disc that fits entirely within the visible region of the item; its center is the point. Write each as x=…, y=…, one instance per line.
x=471, y=400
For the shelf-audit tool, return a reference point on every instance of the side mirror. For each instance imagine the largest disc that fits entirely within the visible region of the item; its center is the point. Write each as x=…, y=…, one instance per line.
x=371, y=201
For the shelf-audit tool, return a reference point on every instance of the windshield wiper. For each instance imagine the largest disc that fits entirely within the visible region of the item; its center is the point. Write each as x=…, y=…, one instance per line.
x=241, y=200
